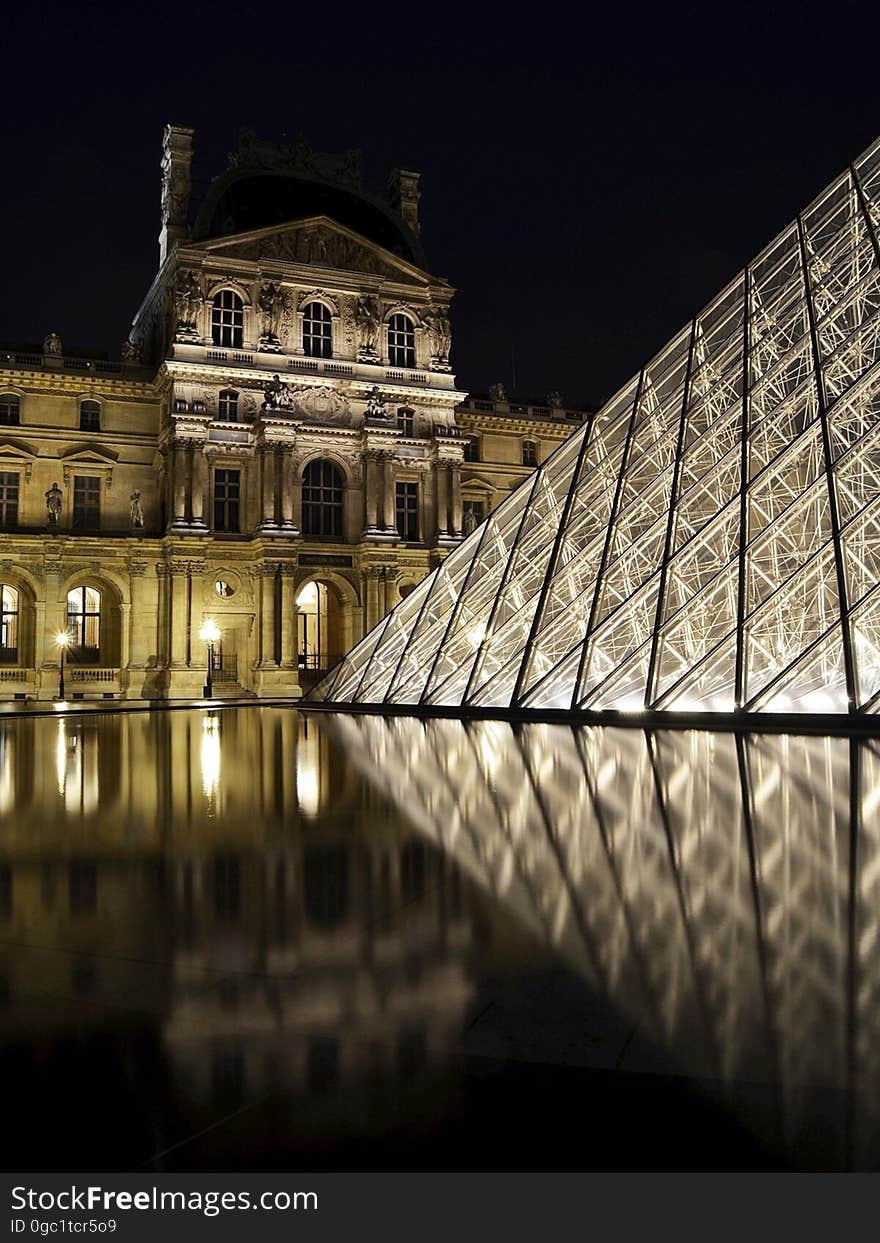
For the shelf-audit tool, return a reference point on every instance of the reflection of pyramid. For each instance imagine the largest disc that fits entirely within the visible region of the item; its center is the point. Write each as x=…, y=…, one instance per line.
x=710, y=539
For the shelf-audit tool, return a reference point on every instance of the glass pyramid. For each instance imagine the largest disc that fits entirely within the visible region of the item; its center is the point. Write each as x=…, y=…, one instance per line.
x=708, y=540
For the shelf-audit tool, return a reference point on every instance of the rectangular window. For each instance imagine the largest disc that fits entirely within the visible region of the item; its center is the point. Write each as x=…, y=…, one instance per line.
x=8, y=498
x=529, y=453
x=227, y=491
x=471, y=449
x=86, y=503
x=473, y=513
x=406, y=420
x=407, y=498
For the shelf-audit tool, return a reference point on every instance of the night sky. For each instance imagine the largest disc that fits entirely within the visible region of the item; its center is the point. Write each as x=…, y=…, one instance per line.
x=588, y=181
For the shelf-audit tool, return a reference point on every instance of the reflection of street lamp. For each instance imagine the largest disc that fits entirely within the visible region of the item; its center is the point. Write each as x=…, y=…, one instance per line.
x=62, y=639
x=209, y=634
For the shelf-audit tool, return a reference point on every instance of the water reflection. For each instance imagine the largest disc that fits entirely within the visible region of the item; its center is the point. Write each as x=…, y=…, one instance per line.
x=247, y=939
x=724, y=890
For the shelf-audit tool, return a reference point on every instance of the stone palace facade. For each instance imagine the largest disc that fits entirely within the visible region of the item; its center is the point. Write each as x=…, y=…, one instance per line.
x=281, y=449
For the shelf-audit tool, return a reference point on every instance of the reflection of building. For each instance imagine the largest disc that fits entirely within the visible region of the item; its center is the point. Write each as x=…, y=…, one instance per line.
x=709, y=540
x=245, y=908
x=283, y=420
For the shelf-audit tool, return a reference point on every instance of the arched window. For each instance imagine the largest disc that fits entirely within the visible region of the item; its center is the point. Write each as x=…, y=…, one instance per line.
x=227, y=319
x=401, y=341
x=10, y=410
x=529, y=453
x=8, y=623
x=406, y=420
x=322, y=497
x=89, y=416
x=227, y=406
x=317, y=331
x=84, y=623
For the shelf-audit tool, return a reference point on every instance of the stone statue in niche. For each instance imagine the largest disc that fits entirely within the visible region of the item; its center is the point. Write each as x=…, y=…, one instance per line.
x=187, y=302
x=375, y=405
x=497, y=392
x=54, y=497
x=271, y=303
x=52, y=345
x=367, y=320
x=136, y=509
x=469, y=522
x=436, y=322
x=277, y=395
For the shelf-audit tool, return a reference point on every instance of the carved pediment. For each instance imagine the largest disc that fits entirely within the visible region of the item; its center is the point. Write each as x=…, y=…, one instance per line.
x=17, y=453
x=319, y=242
x=94, y=458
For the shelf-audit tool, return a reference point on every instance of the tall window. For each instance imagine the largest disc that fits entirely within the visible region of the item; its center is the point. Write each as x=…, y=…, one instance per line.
x=406, y=420
x=227, y=406
x=8, y=622
x=89, y=416
x=472, y=449
x=317, y=331
x=86, y=503
x=84, y=622
x=401, y=341
x=407, y=506
x=8, y=498
x=322, y=499
x=227, y=495
x=529, y=453
x=227, y=319
x=10, y=410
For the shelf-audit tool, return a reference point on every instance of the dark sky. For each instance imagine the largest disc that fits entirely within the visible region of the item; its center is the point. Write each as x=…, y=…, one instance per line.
x=589, y=180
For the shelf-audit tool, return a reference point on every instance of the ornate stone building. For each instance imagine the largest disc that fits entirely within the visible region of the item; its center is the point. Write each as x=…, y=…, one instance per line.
x=278, y=449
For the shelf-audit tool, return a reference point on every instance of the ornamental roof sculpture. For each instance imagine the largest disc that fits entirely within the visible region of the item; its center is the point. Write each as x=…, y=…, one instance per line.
x=709, y=540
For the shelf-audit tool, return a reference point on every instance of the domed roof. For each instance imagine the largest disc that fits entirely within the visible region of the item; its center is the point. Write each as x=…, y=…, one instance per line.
x=245, y=199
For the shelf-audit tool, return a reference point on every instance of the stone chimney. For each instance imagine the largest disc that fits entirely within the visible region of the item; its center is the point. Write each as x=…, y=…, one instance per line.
x=177, y=147
x=403, y=188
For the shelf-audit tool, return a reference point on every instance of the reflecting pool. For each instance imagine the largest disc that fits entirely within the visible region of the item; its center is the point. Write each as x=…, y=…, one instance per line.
x=256, y=939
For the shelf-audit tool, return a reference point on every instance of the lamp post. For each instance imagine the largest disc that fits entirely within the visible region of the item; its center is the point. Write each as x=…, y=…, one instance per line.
x=62, y=640
x=209, y=634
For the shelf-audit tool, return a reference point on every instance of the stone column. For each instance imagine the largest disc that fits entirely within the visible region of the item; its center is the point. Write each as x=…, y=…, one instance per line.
x=455, y=481
x=124, y=636
x=288, y=618
x=296, y=480
x=267, y=457
x=267, y=621
x=141, y=607
x=389, y=493
x=392, y=595
x=372, y=577
x=371, y=489
x=178, y=516
x=442, y=499
x=287, y=519
x=178, y=617
x=199, y=480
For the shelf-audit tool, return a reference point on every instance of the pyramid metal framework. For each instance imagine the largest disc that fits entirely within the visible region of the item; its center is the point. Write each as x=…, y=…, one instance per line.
x=709, y=540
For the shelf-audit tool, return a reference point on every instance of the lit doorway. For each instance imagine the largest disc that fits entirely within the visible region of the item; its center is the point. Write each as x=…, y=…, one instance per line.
x=318, y=636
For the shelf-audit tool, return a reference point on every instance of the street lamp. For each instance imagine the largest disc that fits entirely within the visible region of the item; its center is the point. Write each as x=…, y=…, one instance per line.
x=209, y=634
x=62, y=640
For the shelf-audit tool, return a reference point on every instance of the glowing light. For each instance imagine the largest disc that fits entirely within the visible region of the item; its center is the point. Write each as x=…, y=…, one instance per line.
x=61, y=755
x=210, y=631
x=63, y=638
x=210, y=755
